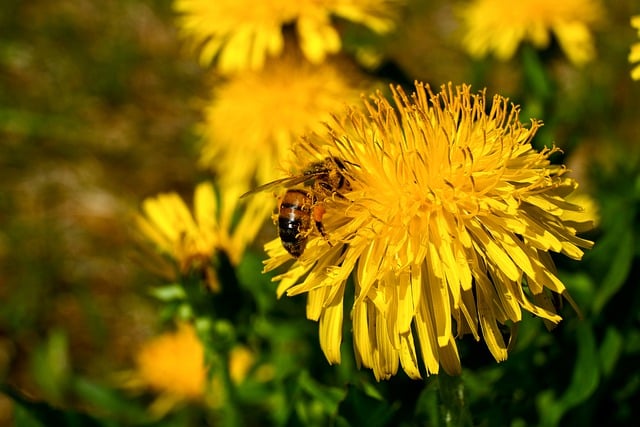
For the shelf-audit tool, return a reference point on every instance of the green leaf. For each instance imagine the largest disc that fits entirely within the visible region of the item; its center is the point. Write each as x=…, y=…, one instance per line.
x=50, y=365
x=30, y=413
x=610, y=350
x=584, y=381
x=249, y=271
x=621, y=263
x=371, y=390
x=328, y=397
x=172, y=292
x=454, y=410
x=427, y=410
x=359, y=408
x=110, y=401
x=535, y=73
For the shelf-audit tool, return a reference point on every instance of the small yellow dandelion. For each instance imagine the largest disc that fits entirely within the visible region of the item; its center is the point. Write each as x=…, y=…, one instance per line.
x=172, y=365
x=240, y=35
x=445, y=226
x=634, y=55
x=499, y=26
x=192, y=240
x=241, y=360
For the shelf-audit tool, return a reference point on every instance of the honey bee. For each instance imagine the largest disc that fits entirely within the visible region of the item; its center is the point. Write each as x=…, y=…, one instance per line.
x=302, y=209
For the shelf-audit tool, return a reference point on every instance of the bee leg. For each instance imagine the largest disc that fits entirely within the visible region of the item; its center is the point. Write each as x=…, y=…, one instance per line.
x=329, y=189
x=318, y=213
x=320, y=228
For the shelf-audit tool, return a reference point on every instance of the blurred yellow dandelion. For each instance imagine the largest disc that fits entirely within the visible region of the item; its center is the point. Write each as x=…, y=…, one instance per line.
x=634, y=55
x=253, y=119
x=446, y=229
x=499, y=26
x=241, y=360
x=240, y=35
x=192, y=240
x=172, y=365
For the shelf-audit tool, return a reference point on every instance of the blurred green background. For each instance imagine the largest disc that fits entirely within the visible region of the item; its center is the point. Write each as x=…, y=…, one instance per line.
x=95, y=115
x=97, y=107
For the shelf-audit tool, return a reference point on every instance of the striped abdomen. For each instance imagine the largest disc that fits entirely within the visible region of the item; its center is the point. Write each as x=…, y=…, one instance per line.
x=294, y=220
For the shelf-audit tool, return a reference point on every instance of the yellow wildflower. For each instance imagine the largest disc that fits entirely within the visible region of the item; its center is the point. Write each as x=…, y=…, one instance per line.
x=241, y=360
x=240, y=35
x=499, y=26
x=172, y=365
x=192, y=240
x=634, y=55
x=445, y=226
x=253, y=118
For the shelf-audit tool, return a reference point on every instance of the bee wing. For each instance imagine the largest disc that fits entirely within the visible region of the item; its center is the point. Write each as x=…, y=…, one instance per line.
x=287, y=181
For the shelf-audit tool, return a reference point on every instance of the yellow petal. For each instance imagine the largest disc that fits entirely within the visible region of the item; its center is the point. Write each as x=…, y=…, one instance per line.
x=331, y=329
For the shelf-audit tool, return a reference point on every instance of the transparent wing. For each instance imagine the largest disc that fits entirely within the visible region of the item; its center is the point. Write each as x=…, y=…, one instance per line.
x=282, y=182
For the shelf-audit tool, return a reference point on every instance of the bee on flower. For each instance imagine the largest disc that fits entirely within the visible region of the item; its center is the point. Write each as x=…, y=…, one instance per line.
x=446, y=228
x=301, y=209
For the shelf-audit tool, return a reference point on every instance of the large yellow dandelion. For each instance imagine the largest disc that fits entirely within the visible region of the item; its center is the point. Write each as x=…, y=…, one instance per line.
x=634, y=55
x=445, y=226
x=241, y=35
x=500, y=26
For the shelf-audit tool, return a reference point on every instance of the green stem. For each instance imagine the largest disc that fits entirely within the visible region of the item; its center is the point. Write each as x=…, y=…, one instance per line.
x=217, y=337
x=453, y=410
x=231, y=415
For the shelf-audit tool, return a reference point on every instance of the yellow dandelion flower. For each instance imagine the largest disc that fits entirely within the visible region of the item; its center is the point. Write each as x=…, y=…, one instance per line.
x=499, y=26
x=172, y=365
x=446, y=225
x=241, y=360
x=192, y=240
x=634, y=55
x=253, y=119
x=241, y=35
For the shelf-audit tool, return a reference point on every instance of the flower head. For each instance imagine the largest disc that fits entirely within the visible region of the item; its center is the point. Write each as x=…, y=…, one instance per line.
x=634, y=55
x=499, y=26
x=192, y=240
x=173, y=365
x=241, y=35
x=253, y=119
x=446, y=227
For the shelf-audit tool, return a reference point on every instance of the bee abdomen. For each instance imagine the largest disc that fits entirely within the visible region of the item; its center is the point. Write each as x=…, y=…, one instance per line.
x=294, y=221
x=291, y=239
